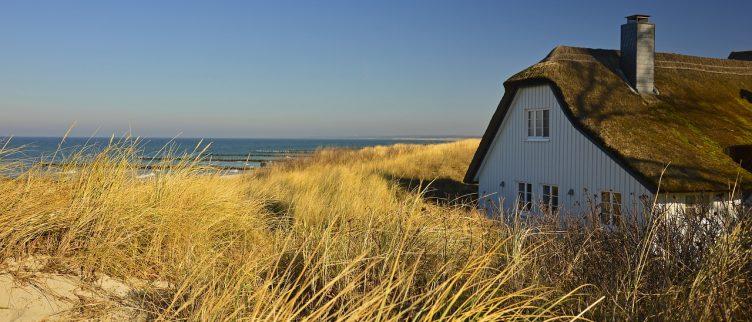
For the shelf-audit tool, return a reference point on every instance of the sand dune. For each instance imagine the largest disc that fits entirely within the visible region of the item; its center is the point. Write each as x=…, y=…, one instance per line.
x=31, y=291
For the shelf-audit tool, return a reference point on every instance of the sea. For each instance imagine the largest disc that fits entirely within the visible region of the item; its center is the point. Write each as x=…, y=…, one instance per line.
x=232, y=155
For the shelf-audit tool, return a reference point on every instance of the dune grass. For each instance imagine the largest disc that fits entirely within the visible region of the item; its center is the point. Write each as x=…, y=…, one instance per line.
x=356, y=235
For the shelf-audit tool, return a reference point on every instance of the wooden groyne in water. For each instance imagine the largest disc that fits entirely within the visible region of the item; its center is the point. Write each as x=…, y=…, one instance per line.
x=153, y=166
x=208, y=161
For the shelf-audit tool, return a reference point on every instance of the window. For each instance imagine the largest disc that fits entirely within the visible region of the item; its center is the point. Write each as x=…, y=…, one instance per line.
x=697, y=200
x=524, y=195
x=610, y=207
x=538, y=124
x=551, y=197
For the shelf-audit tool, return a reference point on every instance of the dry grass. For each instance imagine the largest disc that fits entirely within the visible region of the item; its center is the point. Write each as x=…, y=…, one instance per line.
x=344, y=236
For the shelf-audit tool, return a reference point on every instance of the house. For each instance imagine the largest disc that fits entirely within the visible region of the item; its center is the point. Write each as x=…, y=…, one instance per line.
x=616, y=128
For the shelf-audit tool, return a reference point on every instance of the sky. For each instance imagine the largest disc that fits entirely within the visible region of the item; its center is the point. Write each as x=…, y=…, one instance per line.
x=305, y=69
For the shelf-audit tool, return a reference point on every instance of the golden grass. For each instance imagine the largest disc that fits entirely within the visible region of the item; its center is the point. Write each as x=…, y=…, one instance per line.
x=340, y=236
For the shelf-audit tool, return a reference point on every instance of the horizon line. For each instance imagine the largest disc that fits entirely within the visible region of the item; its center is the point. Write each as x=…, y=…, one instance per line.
x=396, y=137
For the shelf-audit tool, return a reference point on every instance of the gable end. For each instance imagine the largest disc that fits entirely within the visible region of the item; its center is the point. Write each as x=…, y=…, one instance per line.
x=502, y=110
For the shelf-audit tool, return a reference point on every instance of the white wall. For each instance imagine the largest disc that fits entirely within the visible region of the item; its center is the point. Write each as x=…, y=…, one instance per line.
x=568, y=160
x=715, y=202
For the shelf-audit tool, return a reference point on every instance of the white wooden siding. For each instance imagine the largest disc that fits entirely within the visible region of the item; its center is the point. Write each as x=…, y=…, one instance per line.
x=568, y=160
x=716, y=202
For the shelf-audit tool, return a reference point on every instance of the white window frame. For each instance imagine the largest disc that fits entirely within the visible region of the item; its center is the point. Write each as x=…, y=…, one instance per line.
x=535, y=131
x=524, y=196
x=697, y=202
x=550, y=196
x=700, y=199
x=610, y=207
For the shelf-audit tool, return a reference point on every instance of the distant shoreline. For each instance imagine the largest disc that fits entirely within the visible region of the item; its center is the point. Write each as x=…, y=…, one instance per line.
x=155, y=153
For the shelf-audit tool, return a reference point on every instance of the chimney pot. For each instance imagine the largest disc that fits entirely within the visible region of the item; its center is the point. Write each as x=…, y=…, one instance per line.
x=638, y=18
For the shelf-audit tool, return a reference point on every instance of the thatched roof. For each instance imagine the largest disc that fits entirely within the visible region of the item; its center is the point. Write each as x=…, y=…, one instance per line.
x=703, y=107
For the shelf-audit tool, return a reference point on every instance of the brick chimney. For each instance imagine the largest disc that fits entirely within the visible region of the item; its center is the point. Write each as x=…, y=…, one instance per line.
x=638, y=53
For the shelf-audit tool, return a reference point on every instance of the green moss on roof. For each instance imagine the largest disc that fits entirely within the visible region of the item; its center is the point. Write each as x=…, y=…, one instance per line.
x=700, y=110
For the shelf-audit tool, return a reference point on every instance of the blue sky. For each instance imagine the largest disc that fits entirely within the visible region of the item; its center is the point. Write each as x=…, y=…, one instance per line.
x=305, y=68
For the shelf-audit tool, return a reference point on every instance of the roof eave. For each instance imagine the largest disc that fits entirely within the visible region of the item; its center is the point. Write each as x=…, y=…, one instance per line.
x=490, y=133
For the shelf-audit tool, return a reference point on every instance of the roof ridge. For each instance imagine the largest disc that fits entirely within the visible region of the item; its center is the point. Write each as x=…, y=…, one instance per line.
x=673, y=57
x=701, y=64
x=727, y=61
x=706, y=70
